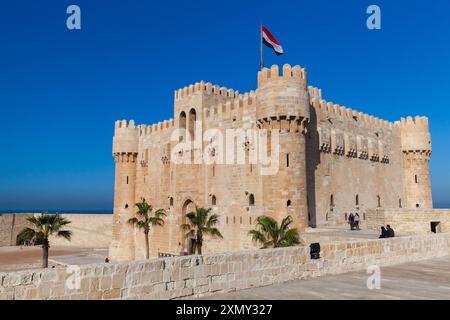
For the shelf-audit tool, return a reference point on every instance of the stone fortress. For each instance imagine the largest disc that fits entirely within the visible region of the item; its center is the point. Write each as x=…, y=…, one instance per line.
x=332, y=161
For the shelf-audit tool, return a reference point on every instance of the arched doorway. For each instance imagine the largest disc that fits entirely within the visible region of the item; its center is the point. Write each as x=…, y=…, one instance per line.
x=186, y=244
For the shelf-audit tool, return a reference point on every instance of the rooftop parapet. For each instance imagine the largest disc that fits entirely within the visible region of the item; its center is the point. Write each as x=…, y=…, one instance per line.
x=204, y=88
x=159, y=127
x=126, y=137
x=314, y=93
x=237, y=108
x=415, y=134
x=337, y=110
x=288, y=73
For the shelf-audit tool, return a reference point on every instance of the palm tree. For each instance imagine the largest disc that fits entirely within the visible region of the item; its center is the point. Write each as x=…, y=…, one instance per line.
x=43, y=227
x=201, y=222
x=145, y=220
x=270, y=235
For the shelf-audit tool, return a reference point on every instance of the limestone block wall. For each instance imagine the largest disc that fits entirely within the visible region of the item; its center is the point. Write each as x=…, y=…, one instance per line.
x=196, y=276
x=409, y=221
x=88, y=231
x=10, y=226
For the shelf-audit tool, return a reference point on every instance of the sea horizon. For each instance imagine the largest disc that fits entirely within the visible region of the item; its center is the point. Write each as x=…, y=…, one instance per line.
x=106, y=211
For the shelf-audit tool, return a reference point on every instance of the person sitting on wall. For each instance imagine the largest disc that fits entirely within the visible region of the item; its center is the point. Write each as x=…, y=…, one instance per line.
x=383, y=233
x=356, y=219
x=351, y=221
x=390, y=232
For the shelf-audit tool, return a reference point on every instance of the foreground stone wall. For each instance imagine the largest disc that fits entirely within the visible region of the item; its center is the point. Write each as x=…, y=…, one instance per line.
x=10, y=226
x=409, y=221
x=196, y=276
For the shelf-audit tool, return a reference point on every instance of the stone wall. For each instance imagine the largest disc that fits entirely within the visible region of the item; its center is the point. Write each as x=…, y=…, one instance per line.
x=197, y=276
x=409, y=221
x=89, y=230
x=10, y=226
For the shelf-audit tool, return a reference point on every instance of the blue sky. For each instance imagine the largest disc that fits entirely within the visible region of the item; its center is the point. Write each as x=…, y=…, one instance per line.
x=61, y=90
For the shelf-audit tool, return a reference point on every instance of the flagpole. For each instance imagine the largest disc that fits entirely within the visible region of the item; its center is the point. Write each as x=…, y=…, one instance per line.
x=261, y=49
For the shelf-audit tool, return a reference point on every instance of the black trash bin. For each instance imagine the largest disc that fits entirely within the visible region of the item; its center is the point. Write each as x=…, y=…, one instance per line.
x=315, y=250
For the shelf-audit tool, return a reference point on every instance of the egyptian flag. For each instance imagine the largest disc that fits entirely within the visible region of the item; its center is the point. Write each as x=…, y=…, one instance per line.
x=270, y=41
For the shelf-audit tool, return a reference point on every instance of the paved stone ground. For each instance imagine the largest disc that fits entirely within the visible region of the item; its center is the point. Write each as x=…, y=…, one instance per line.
x=429, y=279
x=21, y=258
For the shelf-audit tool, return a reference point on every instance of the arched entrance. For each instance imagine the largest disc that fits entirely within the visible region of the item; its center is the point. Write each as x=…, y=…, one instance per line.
x=186, y=244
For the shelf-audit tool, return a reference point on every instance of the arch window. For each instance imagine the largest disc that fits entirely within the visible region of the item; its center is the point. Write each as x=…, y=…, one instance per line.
x=192, y=120
x=251, y=200
x=182, y=124
x=213, y=200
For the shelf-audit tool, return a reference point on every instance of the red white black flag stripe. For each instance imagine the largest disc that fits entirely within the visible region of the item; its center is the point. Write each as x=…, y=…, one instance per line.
x=270, y=41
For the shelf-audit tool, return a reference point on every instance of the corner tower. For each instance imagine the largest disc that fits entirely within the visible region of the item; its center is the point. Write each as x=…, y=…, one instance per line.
x=416, y=149
x=125, y=152
x=283, y=107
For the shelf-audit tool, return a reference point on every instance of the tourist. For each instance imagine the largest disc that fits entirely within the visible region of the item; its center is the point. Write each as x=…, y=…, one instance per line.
x=390, y=232
x=351, y=221
x=383, y=233
x=356, y=219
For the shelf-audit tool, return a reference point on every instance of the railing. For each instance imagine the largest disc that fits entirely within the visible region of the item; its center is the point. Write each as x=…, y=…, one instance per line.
x=166, y=255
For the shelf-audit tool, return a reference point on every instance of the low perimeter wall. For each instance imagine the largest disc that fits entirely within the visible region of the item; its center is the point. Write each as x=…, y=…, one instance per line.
x=196, y=276
x=89, y=230
x=409, y=221
x=10, y=226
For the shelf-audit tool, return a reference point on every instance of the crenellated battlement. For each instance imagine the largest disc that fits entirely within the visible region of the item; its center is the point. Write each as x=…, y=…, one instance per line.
x=206, y=89
x=336, y=110
x=124, y=124
x=162, y=126
x=243, y=104
x=417, y=123
x=415, y=134
x=314, y=93
x=126, y=136
x=288, y=73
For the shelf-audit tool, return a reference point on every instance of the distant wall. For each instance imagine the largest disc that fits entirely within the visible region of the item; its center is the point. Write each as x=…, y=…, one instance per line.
x=409, y=221
x=10, y=226
x=89, y=230
x=197, y=276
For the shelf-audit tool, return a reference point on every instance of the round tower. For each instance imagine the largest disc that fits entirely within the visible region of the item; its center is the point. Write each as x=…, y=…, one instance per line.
x=416, y=148
x=125, y=152
x=283, y=108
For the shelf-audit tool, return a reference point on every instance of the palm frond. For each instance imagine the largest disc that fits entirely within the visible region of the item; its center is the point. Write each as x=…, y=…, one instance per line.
x=258, y=236
x=213, y=232
x=186, y=227
x=66, y=234
x=26, y=234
